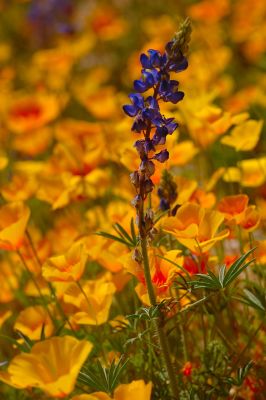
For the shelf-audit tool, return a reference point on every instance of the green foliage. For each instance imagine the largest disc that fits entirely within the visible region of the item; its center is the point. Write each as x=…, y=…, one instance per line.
x=210, y=281
x=101, y=378
x=257, y=301
x=240, y=375
x=123, y=236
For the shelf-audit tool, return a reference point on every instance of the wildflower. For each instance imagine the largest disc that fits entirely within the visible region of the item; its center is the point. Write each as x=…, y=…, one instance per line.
x=33, y=143
x=234, y=207
x=21, y=187
x=251, y=219
x=129, y=391
x=167, y=191
x=187, y=369
x=92, y=305
x=67, y=267
x=52, y=365
x=163, y=272
x=32, y=321
x=10, y=282
x=245, y=136
x=13, y=221
x=156, y=71
x=50, y=18
x=195, y=227
x=27, y=113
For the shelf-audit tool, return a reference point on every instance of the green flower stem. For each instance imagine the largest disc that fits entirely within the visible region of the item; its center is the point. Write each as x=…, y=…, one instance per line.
x=32, y=277
x=162, y=337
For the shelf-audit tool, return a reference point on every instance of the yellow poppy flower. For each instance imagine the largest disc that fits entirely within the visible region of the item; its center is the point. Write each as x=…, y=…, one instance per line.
x=245, y=136
x=13, y=221
x=3, y=161
x=81, y=149
x=93, y=396
x=52, y=365
x=253, y=172
x=129, y=391
x=21, y=187
x=195, y=227
x=92, y=305
x=134, y=390
x=32, y=320
x=67, y=267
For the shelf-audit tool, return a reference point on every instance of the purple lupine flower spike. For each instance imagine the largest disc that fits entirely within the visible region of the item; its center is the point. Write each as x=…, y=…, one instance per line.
x=156, y=72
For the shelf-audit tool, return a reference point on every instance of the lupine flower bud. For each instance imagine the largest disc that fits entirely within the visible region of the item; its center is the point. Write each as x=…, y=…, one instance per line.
x=136, y=255
x=134, y=177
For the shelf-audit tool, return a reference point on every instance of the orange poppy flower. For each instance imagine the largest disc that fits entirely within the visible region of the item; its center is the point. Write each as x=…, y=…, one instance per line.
x=27, y=113
x=234, y=207
x=52, y=365
x=162, y=272
x=195, y=227
x=33, y=143
x=21, y=187
x=13, y=221
x=251, y=219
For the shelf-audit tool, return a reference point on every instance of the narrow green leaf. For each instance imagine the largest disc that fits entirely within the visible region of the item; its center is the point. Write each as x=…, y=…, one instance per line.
x=222, y=275
x=232, y=272
x=236, y=273
x=133, y=232
x=253, y=300
x=123, y=232
x=113, y=237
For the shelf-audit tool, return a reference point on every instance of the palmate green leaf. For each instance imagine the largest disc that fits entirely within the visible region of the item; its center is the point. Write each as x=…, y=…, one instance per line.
x=240, y=375
x=210, y=281
x=101, y=378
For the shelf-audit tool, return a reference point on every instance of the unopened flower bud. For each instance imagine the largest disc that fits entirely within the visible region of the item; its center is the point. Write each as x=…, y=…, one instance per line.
x=150, y=169
x=136, y=201
x=134, y=178
x=148, y=186
x=136, y=255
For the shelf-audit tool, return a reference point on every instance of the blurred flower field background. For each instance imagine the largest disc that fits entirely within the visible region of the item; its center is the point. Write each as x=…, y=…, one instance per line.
x=80, y=317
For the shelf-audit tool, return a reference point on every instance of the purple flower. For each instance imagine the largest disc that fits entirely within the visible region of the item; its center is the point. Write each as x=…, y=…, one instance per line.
x=149, y=79
x=168, y=90
x=156, y=74
x=138, y=104
x=162, y=156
